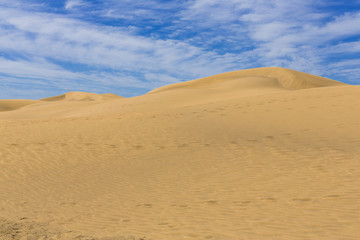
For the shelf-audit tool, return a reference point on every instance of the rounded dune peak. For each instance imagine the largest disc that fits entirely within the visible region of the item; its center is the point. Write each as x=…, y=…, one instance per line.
x=81, y=96
x=13, y=104
x=266, y=77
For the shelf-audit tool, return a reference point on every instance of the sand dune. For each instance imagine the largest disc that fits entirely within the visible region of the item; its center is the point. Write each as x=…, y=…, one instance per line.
x=271, y=77
x=13, y=104
x=9, y=105
x=81, y=96
x=54, y=107
x=265, y=153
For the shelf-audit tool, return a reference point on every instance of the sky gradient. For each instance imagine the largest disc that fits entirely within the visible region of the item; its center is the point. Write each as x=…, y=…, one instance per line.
x=130, y=47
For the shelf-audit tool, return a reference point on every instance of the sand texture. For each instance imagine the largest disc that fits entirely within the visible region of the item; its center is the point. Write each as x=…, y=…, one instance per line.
x=258, y=154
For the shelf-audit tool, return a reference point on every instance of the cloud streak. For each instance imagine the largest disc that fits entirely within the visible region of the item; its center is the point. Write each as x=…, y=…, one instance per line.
x=71, y=4
x=133, y=47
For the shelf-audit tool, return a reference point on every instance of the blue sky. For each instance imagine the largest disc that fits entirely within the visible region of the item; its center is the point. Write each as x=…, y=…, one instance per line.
x=129, y=47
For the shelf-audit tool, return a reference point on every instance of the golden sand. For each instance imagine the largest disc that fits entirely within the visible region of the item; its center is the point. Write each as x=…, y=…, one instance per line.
x=258, y=154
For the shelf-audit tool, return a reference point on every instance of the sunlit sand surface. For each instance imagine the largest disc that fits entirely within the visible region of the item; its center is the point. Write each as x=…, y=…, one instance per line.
x=258, y=154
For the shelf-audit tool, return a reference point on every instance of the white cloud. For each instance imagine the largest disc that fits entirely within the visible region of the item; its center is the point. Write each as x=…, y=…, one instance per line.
x=72, y=40
x=269, y=31
x=39, y=42
x=277, y=32
x=71, y=4
x=349, y=47
x=21, y=4
x=342, y=26
x=189, y=39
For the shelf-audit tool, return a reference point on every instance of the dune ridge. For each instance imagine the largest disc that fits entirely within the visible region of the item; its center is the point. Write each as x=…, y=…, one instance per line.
x=232, y=85
x=277, y=77
x=43, y=104
x=258, y=154
x=9, y=105
x=81, y=96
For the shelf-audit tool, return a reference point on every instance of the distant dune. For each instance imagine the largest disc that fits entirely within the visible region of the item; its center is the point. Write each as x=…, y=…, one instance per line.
x=9, y=105
x=81, y=96
x=53, y=107
x=267, y=153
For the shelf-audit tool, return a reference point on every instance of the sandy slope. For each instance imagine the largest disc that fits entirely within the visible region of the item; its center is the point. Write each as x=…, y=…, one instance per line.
x=256, y=154
x=9, y=105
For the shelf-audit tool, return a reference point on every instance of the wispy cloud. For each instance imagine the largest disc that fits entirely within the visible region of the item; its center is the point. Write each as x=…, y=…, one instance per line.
x=71, y=4
x=276, y=32
x=45, y=45
x=134, y=46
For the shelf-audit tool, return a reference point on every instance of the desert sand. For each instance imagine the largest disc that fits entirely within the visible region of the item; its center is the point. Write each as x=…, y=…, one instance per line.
x=267, y=153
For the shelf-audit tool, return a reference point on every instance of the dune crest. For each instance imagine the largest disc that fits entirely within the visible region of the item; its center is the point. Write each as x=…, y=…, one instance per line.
x=81, y=96
x=13, y=104
x=275, y=77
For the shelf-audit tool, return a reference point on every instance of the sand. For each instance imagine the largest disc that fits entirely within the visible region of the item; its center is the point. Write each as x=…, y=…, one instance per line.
x=258, y=154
